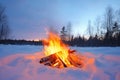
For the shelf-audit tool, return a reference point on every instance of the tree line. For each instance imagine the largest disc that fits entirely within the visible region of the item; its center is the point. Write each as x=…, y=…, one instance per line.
x=20, y=42
x=104, y=32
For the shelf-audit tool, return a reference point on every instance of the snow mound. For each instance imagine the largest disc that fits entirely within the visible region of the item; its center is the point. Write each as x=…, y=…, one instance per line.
x=26, y=66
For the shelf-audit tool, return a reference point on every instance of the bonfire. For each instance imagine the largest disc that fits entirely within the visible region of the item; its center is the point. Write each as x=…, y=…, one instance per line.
x=58, y=54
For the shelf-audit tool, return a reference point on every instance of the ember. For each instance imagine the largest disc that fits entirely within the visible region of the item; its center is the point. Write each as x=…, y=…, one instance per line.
x=58, y=54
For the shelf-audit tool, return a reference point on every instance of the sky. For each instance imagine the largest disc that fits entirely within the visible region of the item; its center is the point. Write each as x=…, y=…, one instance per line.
x=29, y=19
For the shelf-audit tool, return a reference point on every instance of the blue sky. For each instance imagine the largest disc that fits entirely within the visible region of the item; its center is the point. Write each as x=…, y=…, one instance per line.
x=29, y=18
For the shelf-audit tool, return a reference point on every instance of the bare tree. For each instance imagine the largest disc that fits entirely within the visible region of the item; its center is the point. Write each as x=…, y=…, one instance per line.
x=69, y=26
x=98, y=25
x=118, y=16
x=4, y=29
x=90, y=29
x=108, y=19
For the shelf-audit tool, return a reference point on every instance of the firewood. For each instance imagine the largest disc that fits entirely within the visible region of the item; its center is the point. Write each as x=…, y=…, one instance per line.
x=54, y=60
x=48, y=60
x=75, y=60
x=71, y=51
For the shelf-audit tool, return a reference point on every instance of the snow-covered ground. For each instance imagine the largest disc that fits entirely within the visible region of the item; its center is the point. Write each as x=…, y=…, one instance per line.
x=21, y=62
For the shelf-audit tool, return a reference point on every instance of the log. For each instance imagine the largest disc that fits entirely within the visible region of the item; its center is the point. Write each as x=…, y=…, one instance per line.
x=71, y=51
x=75, y=60
x=54, y=60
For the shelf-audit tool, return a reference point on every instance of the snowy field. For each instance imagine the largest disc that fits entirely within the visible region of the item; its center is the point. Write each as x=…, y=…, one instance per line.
x=21, y=62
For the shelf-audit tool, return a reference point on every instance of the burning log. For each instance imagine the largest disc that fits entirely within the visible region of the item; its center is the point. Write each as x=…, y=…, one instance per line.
x=75, y=60
x=54, y=60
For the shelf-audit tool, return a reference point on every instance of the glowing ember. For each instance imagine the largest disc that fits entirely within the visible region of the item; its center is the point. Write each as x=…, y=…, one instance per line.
x=58, y=54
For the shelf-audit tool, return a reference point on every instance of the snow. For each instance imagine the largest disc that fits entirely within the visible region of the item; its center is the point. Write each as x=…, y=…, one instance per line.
x=21, y=62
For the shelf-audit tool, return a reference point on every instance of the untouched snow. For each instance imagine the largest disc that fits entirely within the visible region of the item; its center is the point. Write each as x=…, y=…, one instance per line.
x=21, y=62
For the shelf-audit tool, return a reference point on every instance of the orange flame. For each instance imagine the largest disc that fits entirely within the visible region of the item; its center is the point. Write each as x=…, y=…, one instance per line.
x=54, y=45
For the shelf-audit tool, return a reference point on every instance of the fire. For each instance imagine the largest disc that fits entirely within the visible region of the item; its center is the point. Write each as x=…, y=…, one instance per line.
x=54, y=45
x=58, y=54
